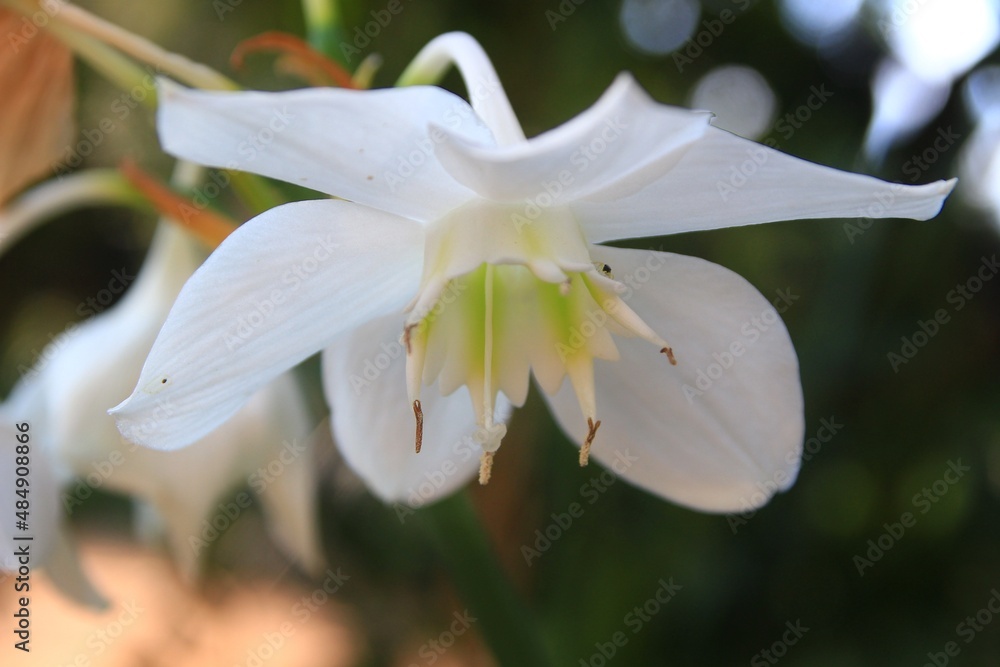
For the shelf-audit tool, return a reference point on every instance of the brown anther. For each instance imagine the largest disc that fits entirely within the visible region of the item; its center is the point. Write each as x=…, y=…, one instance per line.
x=406, y=337
x=419, y=414
x=670, y=355
x=585, y=450
x=485, y=467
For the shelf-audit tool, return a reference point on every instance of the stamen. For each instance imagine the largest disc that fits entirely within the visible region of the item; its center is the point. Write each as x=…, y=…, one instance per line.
x=564, y=288
x=618, y=311
x=406, y=337
x=585, y=450
x=485, y=467
x=419, y=414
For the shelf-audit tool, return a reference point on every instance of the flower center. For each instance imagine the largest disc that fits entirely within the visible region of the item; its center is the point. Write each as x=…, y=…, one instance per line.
x=504, y=297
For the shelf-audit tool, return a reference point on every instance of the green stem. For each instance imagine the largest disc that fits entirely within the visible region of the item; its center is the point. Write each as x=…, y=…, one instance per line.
x=323, y=19
x=94, y=187
x=73, y=25
x=503, y=621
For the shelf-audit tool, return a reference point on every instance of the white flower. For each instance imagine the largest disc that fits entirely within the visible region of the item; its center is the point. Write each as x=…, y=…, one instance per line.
x=467, y=250
x=185, y=496
x=50, y=546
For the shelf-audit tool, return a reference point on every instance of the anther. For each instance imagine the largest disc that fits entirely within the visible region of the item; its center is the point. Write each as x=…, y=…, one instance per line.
x=670, y=355
x=419, y=414
x=564, y=288
x=585, y=450
x=485, y=467
x=406, y=337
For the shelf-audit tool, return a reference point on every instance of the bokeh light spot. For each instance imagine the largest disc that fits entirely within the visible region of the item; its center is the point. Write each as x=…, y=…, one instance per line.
x=658, y=27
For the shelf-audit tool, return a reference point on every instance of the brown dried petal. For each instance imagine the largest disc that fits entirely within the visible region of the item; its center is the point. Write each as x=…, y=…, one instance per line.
x=36, y=114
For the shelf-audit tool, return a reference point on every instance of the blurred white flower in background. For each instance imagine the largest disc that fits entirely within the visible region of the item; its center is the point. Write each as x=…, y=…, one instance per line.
x=50, y=546
x=979, y=162
x=814, y=22
x=932, y=43
x=185, y=497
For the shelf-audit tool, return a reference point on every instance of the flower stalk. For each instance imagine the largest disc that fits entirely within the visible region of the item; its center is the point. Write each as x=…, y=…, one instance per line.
x=323, y=27
x=70, y=22
x=509, y=629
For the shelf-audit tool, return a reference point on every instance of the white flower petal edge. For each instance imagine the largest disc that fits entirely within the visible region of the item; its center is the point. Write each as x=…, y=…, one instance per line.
x=266, y=447
x=370, y=147
x=281, y=287
x=364, y=377
x=486, y=93
x=723, y=180
x=621, y=143
x=724, y=446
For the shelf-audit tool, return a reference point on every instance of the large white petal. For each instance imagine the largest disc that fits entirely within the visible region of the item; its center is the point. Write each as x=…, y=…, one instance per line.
x=371, y=147
x=364, y=374
x=726, y=181
x=617, y=146
x=724, y=443
x=279, y=289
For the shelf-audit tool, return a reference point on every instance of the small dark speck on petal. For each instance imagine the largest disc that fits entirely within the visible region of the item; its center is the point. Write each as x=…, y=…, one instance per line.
x=163, y=381
x=371, y=178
